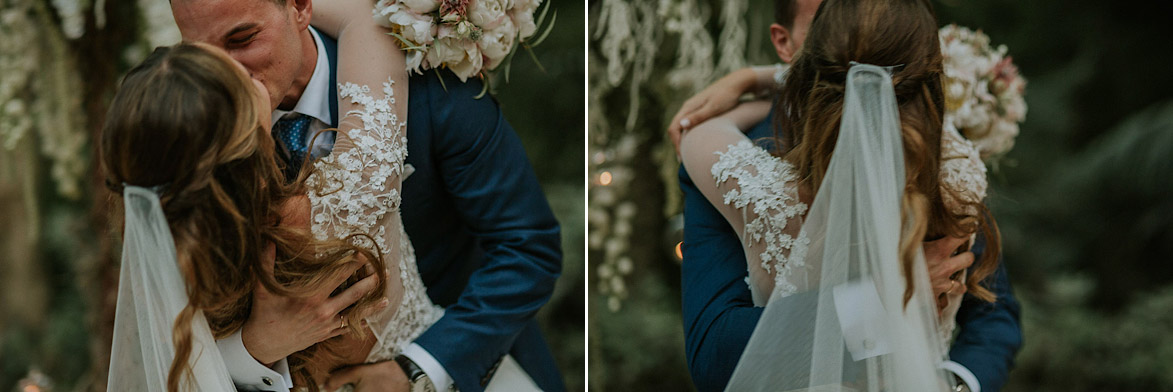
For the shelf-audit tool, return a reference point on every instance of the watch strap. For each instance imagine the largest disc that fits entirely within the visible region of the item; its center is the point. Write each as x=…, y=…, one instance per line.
x=414, y=373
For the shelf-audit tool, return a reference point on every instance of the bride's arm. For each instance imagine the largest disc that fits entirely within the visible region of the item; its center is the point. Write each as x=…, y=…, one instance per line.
x=720, y=97
x=356, y=189
x=742, y=181
x=699, y=148
x=367, y=158
x=330, y=17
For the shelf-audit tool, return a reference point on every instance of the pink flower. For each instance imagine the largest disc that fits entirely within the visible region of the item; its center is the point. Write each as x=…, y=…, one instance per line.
x=459, y=7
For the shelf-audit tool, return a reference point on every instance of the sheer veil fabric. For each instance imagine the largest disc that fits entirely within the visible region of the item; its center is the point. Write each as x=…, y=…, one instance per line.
x=151, y=293
x=850, y=330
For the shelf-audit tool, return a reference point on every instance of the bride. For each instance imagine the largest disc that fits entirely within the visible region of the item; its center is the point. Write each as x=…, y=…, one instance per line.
x=833, y=226
x=210, y=217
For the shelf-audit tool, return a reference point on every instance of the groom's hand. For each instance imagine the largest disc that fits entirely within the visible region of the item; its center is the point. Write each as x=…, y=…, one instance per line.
x=944, y=266
x=384, y=376
x=279, y=326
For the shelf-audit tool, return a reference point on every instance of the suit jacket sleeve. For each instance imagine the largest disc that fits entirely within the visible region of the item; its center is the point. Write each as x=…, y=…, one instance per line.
x=718, y=311
x=990, y=333
x=484, y=168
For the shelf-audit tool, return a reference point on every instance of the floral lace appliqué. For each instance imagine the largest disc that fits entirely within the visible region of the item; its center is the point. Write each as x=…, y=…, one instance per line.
x=355, y=190
x=767, y=194
x=962, y=171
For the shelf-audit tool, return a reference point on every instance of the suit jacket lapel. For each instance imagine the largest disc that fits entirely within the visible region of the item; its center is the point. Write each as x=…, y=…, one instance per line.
x=332, y=55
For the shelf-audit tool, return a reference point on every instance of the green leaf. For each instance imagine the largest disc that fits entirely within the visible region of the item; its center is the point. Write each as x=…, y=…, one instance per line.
x=546, y=33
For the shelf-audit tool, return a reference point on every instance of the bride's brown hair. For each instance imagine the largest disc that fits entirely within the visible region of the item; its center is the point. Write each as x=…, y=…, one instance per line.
x=185, y=120
x=900, y=33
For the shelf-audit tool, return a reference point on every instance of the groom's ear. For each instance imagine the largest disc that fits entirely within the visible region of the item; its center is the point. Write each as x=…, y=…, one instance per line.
x=303, y=11
x=784, y=43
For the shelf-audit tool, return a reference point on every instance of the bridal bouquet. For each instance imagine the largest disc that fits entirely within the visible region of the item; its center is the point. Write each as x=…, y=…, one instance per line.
x=983, y=91
x=466, y=36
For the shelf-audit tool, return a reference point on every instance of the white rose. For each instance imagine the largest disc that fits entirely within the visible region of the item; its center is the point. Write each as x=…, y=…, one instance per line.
x=421, y=6
x=487, y=14
x=419, y=29
x=524, y=20
x=464, y=29
x=529, y=5
x=460, y=55
x=415, y=61
x=495, y=44
x=383, y=11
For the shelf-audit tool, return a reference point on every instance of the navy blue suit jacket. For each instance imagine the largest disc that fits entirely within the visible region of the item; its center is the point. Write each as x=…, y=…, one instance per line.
x=719, y=315
x=487, y=244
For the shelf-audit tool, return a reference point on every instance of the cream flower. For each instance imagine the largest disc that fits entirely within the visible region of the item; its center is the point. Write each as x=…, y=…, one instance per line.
x=417, y=28
x=421, y=6
x=524, y=21
x=460, y=55
x=487, y=14
x=495, y=44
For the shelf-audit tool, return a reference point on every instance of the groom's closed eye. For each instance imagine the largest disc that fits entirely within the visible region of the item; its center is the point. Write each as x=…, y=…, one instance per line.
x=241, y=35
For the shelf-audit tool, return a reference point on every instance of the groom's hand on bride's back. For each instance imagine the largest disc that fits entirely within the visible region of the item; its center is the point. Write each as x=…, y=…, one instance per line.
x=279, y=326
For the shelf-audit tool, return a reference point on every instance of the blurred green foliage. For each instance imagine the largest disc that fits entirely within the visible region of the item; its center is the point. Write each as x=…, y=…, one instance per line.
x=545, y=106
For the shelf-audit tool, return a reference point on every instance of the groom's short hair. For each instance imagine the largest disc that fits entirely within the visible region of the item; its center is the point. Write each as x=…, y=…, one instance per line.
x=784, y=13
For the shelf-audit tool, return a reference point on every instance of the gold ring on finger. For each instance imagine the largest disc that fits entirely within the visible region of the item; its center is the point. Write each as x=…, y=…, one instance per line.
x=343, y=320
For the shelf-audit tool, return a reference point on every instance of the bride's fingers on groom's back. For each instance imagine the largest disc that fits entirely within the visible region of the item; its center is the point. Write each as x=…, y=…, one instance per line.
x=959, y=263
x=943, y=248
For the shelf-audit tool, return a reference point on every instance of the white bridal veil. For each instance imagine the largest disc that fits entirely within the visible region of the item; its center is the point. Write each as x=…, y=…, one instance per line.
x=151, y=293
x=852, y=331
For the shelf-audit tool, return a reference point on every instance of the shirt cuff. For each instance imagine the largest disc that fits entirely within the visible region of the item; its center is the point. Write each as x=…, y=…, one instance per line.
x=430, y=366
x=247, y=373
x=964, y=374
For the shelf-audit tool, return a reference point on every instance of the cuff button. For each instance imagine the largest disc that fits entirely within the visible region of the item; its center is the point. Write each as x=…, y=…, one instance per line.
x=267, y=381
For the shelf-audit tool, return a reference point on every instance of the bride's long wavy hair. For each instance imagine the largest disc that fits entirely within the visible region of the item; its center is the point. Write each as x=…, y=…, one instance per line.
x=810, y=106
x=186, y=120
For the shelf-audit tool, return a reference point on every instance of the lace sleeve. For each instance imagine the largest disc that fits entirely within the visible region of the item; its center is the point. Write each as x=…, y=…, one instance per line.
x=962, y=171
x=758, y=194
x=356, y=189
x=357, y=185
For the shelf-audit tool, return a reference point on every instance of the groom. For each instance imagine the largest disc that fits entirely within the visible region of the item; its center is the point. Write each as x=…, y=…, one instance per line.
x=718, y=311
x=486, y=241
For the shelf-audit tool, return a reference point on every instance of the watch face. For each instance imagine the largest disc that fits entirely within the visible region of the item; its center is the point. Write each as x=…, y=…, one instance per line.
x=422, y=384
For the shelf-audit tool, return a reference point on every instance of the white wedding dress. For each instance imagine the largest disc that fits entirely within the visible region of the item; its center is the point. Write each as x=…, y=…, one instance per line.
x=357, y=190
x=789, y=261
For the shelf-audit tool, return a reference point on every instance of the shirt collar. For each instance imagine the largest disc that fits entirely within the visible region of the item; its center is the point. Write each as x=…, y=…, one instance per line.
x=314, y=102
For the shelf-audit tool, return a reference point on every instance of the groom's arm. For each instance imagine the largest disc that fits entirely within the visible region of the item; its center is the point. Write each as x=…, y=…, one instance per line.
x=485, y=170
x=990, y=333
x=718, y=310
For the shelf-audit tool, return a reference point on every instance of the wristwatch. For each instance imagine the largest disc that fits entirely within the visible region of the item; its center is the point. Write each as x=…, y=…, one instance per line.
x=961, y=386
x=419, y=380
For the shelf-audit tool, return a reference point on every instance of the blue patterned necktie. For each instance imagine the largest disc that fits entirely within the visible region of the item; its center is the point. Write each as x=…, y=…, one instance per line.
x=291, y=131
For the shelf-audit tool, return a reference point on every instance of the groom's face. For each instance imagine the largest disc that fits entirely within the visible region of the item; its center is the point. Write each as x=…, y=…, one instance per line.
x=268, y=38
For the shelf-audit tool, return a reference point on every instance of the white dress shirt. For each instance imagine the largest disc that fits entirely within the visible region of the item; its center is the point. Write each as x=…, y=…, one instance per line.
x=247, y=373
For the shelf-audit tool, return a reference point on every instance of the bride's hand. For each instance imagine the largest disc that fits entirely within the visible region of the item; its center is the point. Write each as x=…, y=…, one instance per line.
x=944, y=265
x=279, y=326
x=720, y=97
